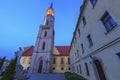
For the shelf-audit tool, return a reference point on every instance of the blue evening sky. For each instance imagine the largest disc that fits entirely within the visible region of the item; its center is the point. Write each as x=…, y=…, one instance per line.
x=20, y=21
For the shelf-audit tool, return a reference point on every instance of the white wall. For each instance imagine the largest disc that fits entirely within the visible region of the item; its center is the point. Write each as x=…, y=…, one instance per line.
x=96, y=29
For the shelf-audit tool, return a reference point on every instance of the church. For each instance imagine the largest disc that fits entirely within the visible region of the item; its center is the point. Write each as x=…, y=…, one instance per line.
x=45, y=57
x=42, y=56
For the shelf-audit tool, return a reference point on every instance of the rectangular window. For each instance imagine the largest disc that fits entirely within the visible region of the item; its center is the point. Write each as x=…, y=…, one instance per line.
x=54, y=60
x=108, y=21
x=82, y=48
x=69, y=68
x=86, y=66
x=77, y=69
x=68, y=60
x=118, y=55
x=84, y=20
x=62, y=62
x=90, y=40
x=93, y=2
x=80, y=68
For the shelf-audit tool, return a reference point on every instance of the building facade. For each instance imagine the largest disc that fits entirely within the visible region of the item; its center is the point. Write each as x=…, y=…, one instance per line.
x=61, y=61
x=95, y=47
x=42, y=55
x=26, y=57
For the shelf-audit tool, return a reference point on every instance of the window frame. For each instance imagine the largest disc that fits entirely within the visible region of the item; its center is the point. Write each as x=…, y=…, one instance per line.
x=90, y=40
x=80, y=69
x=68, y=60
x=45, y=34
x=43, y=46
x=108, y=21
x=87, y=69
x=77, y=66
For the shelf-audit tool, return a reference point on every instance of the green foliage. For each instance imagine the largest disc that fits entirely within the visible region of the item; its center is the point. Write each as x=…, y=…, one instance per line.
x=2, y=61
x=10, y=70
x=73, y=76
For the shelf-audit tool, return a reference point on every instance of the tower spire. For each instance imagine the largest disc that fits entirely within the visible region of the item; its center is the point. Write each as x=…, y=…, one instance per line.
x=50, y=10
x=51, y=5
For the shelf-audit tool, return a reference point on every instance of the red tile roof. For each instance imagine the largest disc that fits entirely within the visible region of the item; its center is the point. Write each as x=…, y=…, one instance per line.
x=63, y=50
x=28, y=51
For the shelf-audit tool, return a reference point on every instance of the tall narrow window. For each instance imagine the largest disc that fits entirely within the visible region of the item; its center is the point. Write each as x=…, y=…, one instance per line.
x=68, y=60
x=108, y=21
x=69, y=68
x=82, y=48
x=62, y=62
x=45, y=34
x=84, y=20
x=80, y=68
x=54, y=60
x=43, y=46
x=86, y=66
x=77, y=68
x=93, y=2
x=90, y=40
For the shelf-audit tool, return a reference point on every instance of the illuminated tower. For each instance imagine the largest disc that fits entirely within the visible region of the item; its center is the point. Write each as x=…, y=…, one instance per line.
x=42, y=57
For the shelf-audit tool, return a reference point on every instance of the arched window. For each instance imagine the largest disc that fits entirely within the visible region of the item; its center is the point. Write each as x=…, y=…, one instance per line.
x=43, y=46
x=45, y=34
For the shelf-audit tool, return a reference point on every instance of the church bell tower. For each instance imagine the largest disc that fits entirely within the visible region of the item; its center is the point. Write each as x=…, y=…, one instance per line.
x=42, y=56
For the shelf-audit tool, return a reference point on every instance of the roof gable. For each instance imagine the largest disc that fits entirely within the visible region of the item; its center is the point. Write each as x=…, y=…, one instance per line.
x=63, y=50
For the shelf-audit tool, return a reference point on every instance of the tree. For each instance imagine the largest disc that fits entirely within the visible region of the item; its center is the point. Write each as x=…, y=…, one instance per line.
x=2, y=61
x=10, y=71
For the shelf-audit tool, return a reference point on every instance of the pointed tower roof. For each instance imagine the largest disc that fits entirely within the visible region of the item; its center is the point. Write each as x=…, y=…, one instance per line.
x=50, y=10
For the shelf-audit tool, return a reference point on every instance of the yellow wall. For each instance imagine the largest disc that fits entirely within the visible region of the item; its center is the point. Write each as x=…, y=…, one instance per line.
x=58, y=64
x=25, y=62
